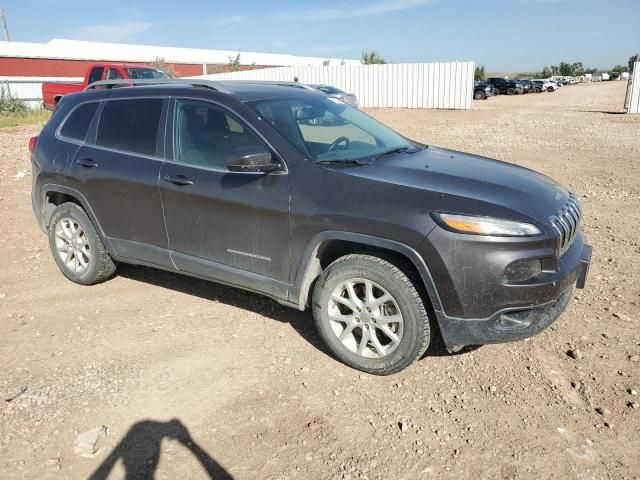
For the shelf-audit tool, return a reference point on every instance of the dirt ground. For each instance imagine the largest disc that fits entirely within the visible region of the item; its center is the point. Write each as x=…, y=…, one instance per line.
x=196, y=380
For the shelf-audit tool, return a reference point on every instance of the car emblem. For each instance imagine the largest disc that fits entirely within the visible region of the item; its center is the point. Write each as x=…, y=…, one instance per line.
x=557, y=195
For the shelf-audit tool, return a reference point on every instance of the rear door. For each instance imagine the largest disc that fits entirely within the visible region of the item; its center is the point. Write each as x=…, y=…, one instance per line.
x=117, y=170
x=229, y=226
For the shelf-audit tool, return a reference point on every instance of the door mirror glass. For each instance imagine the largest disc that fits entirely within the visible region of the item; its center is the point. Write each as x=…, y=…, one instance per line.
x=254, y=158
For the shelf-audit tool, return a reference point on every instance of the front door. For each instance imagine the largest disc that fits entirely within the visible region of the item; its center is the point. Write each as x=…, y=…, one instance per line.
x=229, y=226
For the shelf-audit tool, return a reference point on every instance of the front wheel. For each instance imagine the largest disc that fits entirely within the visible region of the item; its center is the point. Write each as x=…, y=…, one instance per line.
x=511, y=91
x=479, y=95
x=370, y=314
x=549, y=89
x=77, y=248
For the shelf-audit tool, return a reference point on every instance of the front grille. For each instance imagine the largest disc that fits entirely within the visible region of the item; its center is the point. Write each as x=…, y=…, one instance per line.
x=567, y=222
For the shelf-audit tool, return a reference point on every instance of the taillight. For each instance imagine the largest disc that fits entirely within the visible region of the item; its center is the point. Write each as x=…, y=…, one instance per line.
x=32, y=143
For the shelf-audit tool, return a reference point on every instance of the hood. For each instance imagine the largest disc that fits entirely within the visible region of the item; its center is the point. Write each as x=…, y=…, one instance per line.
x=464, y=183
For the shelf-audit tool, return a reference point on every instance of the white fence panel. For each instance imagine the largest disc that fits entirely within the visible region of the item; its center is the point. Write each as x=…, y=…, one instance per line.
x=29, y=89
x=400, y=85
x=634, y=95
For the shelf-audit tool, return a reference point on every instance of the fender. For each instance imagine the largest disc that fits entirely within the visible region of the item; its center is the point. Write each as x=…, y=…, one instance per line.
x=52, y=187
x=309, y=267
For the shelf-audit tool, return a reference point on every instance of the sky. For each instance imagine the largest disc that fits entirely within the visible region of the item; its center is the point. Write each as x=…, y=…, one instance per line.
x=503, y=35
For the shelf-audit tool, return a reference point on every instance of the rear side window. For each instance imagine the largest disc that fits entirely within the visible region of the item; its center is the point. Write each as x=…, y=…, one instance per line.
x=130, y=125
x=77, y=123
x=96, y=74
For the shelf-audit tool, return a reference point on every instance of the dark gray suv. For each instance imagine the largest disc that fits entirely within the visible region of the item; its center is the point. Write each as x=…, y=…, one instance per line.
x=286, y=192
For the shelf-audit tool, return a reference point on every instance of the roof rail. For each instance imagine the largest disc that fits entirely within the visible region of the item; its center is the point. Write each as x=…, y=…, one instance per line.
x=159, y=81
x=269, y=82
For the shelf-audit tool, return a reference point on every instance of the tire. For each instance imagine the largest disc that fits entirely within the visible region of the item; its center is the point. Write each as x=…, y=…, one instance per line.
x=511, y=91
x=479, y=95
x=386, y=355
x=550, y=89
x=88, y=263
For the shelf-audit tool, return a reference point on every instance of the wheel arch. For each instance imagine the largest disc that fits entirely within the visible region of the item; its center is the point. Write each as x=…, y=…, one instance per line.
x=53, y=195
x=327, y=246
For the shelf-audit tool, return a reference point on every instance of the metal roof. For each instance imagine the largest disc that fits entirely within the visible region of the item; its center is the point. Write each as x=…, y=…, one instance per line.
x=120, y=52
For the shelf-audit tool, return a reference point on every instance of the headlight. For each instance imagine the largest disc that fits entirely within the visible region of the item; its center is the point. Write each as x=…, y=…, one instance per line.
x=487, y=89
x=487, y=226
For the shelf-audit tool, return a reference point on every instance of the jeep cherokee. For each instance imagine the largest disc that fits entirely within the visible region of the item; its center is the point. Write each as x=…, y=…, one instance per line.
x=284, y=191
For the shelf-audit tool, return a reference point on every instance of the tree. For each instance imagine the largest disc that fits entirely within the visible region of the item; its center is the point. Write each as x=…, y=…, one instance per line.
x=234, y=63
x=620, y=69
x=479, y=74
x=632, y=60
x=160, y=64
x=546, y=72
x=372, y=58
x=578, y=69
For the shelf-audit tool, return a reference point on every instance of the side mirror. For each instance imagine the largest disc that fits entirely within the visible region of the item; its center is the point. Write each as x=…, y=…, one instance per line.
x=252, y=159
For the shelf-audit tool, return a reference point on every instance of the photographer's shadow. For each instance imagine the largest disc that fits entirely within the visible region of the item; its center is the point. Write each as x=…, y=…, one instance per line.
x=139, y=451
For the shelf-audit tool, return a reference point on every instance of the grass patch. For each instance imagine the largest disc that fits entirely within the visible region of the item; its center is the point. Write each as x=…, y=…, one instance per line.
x=31, y=117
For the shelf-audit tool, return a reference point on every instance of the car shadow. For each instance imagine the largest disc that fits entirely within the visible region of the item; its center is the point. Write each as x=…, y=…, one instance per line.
x=302, y=322
x=139, y=451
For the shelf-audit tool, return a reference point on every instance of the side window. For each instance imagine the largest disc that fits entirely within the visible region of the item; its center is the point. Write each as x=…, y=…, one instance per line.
x=130, y=125
x=113, y=74
x=96, y=74
x=206, y=135
x=77, y=124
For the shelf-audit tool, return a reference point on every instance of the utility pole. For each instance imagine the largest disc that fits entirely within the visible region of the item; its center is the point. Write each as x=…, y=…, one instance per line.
x=6, y=26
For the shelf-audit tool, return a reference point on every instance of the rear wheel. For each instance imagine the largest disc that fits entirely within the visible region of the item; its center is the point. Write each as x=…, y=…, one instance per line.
x=511, y=91
x=479, y=95
x=549, y=89
x=77, y=248
x=370, y=314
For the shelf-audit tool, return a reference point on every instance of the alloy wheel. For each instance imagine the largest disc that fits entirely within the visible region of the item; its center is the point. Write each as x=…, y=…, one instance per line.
x=365, y=318
x=72, y=245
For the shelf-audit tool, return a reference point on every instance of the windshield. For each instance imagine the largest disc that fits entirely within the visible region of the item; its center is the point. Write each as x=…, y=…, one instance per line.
x=145, y=73
x=327, y=129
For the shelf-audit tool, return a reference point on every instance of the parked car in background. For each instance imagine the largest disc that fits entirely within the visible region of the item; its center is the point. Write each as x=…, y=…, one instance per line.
x=334, y=92
x=526, y=88
x=52, y=92
x=546, y=85
x=509, y=87
x=385, y=239
x=533, y=87
x=483, y=90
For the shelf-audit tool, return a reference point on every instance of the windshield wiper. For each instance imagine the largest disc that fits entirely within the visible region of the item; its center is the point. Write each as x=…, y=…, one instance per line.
x=397, y=150
x=344, y=161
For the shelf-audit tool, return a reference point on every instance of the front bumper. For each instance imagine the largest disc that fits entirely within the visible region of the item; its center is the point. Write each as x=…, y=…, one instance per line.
x=478, y=307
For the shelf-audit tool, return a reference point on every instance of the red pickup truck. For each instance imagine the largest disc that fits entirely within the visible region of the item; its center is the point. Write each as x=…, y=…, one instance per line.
x=52, y=92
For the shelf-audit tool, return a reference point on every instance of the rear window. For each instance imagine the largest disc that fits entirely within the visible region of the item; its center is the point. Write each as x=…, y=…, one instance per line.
x=130, y=125
x=329, y=90
x=145, y=73
x=77, y=123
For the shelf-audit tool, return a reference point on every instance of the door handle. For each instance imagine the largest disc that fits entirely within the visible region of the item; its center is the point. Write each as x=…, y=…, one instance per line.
x=178, y=180
x=87, y=163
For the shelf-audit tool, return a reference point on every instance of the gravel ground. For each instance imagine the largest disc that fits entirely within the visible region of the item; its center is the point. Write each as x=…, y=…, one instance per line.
x=190, y=377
